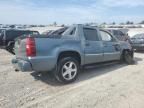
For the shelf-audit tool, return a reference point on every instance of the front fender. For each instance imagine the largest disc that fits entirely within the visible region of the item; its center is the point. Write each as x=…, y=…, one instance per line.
x=125, y=45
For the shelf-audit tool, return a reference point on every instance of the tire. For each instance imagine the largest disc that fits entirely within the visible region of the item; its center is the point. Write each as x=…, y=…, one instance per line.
x=67, y=70
x=127, y=57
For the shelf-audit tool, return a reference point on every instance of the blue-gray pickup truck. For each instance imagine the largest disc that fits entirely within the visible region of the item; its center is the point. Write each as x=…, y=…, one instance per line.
x=64, y=54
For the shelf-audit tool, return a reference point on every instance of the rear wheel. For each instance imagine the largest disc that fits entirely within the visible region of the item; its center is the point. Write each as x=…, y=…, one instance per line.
x=67, y=70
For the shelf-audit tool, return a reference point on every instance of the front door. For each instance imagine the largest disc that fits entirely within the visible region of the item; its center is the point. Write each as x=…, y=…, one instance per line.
x=93, y=47
x=111, y=47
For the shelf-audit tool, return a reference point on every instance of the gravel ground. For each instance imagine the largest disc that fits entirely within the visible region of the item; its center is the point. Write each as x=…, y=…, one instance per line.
x=113, y=85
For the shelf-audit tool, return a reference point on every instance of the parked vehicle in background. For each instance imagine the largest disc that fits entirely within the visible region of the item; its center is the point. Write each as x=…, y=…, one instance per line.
x=120, y=34
x=1, y=30
x=137, y=42
x=1, y=37
x=64, y=54
x=8, y=37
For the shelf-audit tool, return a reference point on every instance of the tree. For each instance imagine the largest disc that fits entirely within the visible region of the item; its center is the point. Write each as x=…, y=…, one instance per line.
x=113, y=23
x=122, y=23
x=12, y=26
x=129, y=22
x=55, y=23
x=104, y=23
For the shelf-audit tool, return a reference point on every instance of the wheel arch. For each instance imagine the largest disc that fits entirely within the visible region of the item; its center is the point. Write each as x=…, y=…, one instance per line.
x=69, y=53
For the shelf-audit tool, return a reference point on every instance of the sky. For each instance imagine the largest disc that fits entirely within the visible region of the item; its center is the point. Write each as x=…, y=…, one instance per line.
x=70, y=11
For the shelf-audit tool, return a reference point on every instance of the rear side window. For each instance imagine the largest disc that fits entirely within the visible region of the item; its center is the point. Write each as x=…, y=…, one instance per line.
x=73, y=31
x=91, y=34
x=69, y=34
x=58, y=32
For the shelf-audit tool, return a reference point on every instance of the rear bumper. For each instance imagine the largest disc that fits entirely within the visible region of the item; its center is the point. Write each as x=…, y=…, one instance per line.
x=39, y=64
x=22, y=65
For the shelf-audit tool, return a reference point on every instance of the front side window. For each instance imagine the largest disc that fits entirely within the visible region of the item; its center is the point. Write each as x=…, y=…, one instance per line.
x=106, y=36
x=91, y=34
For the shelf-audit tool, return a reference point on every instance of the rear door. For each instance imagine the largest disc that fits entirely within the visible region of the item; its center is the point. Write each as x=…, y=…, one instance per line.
x=93, y=46
x=111, y=46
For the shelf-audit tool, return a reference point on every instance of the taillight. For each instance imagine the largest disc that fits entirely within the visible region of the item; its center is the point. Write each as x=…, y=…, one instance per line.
x=30, y=47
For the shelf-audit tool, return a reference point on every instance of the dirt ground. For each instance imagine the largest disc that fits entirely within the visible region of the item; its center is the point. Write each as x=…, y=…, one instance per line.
x=113, y=85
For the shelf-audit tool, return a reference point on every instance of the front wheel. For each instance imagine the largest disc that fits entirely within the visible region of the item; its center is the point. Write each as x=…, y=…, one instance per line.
x=127, y=57
x=67, y=70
